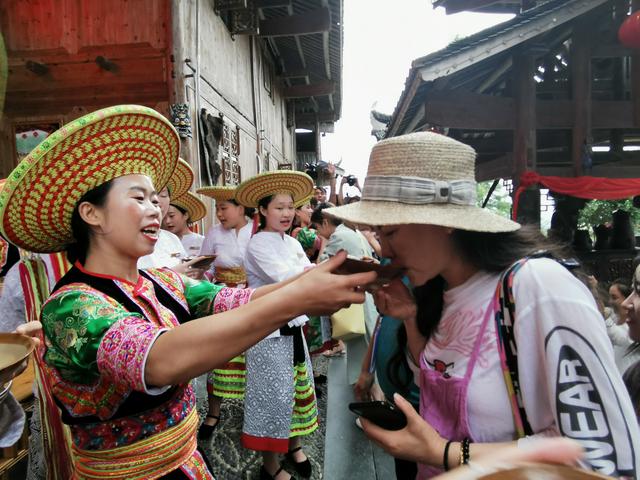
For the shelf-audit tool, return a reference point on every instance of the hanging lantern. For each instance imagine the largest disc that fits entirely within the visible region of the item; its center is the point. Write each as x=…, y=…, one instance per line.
x=629, y=32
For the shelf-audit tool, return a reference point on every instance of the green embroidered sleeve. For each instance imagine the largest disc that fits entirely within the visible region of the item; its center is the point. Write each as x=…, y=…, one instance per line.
x=74, y=323
x=205, y=298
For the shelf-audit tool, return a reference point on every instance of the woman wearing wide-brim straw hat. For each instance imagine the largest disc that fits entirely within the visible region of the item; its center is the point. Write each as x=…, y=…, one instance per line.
x=556, y=375
x=122, y=344
x=183, y=212
x=280, y=405
x=228, y=241
x=169, y=251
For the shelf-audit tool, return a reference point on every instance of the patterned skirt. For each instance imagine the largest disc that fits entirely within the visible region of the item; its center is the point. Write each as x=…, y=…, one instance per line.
x=280, y=400
x=228, y=381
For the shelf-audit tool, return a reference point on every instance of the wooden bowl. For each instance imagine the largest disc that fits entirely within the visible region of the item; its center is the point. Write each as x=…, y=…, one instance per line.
x=386, y=273
x=14, y=348
x=540, y=471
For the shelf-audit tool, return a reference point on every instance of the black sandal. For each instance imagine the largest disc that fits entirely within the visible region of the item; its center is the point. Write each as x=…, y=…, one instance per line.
x=264, y=475
x=302, y=468
x=205, y=431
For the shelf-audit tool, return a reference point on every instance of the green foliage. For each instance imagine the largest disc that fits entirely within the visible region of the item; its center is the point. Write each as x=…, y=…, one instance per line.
x=500, y=201
x=597, y=212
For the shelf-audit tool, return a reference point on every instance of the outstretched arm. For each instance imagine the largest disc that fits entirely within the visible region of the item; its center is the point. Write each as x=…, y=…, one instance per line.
x=200, y=345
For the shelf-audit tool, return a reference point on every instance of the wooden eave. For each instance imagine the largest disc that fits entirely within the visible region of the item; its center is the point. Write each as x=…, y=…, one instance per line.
x=484, y=47
x=309, y=56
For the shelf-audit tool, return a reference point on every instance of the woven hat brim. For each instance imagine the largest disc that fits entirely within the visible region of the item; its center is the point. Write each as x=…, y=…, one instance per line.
x=181, y=180
x=195, y=208
x=38, y=199
x=218, y=193
x=461, y=217
x=298, y=184
x=304, y=201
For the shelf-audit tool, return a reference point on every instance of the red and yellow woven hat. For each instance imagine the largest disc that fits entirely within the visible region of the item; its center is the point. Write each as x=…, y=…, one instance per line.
x=220, y=194
x=41, y=193
x=181, y=180
x=195, y=208
x=298, y=184
x=304, y=201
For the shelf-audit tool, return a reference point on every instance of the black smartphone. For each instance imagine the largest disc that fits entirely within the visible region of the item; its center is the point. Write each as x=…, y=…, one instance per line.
x=384, y=414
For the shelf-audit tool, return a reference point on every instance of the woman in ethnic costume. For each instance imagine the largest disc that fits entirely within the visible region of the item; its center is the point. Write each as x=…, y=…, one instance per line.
x=280, y=404
x=183, y=212
x=121, y=344
x=228, y=241
x=169, y=251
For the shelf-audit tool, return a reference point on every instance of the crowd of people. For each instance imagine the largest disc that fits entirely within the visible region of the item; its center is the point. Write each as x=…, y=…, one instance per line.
x=488, y=343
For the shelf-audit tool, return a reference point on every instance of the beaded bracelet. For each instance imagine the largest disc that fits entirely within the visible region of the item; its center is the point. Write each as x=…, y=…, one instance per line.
x=445, y=458
x=464, y=451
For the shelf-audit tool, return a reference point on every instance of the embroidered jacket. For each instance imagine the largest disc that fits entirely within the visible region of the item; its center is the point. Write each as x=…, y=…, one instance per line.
x=99, y=331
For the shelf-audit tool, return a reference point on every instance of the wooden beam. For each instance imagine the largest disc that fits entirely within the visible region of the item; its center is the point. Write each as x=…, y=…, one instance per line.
x=581, y=86
x=457, y=6
x=314, y=21
x=501, y=167
x=295, y=73
x=313, y=118
x=272, y=3
x=465, y=110
x=610, y=50
x=325, y=87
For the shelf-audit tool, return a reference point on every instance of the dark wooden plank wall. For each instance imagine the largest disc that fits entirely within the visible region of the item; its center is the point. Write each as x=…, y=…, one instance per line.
x=67, y=36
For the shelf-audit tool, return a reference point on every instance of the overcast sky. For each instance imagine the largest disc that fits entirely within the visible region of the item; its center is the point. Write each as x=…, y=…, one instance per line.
x=381, y=38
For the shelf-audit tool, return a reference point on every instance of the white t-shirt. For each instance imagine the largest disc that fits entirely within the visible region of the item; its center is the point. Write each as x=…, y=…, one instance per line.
x=272, y=257
x=168, y=252
x=192, y=242
x=229, y=246
x=569, y=381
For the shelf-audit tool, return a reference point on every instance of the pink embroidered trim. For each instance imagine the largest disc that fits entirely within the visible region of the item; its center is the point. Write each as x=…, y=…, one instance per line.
x=123, y=351
x=230, y=298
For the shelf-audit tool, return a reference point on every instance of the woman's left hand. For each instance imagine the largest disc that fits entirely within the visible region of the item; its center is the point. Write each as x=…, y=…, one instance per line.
x=418, y=441
x=31, y=329
x=186, y=268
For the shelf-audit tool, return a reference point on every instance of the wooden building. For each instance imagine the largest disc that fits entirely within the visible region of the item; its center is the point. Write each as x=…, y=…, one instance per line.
x=551, y=90
x=245, y=72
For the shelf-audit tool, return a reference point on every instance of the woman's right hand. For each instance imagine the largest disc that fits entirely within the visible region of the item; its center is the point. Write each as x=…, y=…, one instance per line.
x=321, y=292
x=395, y=300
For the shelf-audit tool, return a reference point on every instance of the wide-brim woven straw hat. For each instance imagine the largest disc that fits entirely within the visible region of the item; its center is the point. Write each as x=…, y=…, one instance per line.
x=298, y=184
x=41, y=193
x=194, y=207
x=422, y=178
x=181, y=180
x=220, y=194
x=304, y=201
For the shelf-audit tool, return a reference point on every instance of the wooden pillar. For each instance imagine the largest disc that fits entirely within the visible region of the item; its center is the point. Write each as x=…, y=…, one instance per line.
x=524, y=134
x=581, y=76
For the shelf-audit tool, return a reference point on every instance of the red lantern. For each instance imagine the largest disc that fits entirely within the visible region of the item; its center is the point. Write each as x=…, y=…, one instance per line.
x=629, y=32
